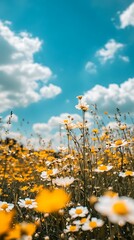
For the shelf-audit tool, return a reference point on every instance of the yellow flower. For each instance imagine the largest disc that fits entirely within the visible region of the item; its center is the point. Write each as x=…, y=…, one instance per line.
x=51, y=201
x=21, y=229
x=28, y=228
x=14, y=233
x=24, y=188
x=95, y=130
x=5, y=221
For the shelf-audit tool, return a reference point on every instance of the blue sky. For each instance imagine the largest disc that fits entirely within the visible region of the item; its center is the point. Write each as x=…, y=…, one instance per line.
x=87, y=45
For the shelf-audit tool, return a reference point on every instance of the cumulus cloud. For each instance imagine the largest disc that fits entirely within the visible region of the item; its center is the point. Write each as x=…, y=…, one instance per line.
x=127, y=17
x=41, y=128
x=90, y=67
x=50, y=91
x=53, y=123
x=19, y=73
x=50, y=130
x=113, y=96
x=109, y=51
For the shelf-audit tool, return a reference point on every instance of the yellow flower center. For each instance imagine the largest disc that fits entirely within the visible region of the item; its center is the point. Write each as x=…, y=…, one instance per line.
x=78, y=211
x=72, y=228
x=65, y=121
x=103, y=167
x=4, y=206
x=95, y=130
x=49, y=172
x=120, y=208
x=83, y=220
x=93, y=224
x=128, y=173
x=118, y=142
x=28, y=202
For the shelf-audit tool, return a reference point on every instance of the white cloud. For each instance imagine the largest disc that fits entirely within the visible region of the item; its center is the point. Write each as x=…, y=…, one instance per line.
x=41, y=128
x=19, y=73
x=113, y=125
x=50, y=91
x=109, y=51
x=53, y=123
x=90, y=67
x=108, y=99
x=127, y=17
x=124, y=58
x=49, y=130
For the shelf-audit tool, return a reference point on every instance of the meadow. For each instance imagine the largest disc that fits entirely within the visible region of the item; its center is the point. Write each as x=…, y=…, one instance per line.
x=83, y=191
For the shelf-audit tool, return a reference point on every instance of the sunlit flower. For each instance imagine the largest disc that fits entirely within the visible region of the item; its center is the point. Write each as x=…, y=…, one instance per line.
x=22, y=231
x=126, y=174
x=119, y=143
x=95, y=130
x=79, y=211
x=5, y=221
x=80, y=125
x=48, y=173
x=71, y=228
x=64, y=182
x=4, y=206
x=27, y=203
x=81, y=221
x=103, y=168
x=118, y=209
x=52, y=201
x=93, y=223
x=82, y=105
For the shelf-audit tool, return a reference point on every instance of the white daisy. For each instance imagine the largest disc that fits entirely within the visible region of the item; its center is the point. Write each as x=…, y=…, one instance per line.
x=4, y=206
x=27, y=203
x=103, y=168
x=64, y=182
x=48, y=173
x=118, y=209
x=126, y=174
x=93, y=223
x=79, y=211
x=119, y=143
x=71, y=228
x=82, y=105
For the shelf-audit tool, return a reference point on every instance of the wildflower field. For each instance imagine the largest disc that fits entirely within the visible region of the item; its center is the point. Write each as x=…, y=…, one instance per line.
x=82, y=191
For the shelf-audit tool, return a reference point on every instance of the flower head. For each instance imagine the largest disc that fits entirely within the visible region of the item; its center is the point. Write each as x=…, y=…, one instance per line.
x=52, y=201
x=93, y=223
x=27, y=203
x=126, y=174
x=103, y=168
x=4, y=206
x=79, y=211
x=48, y=173
x=118, y=209
x=64, y=182
x=71, y=228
